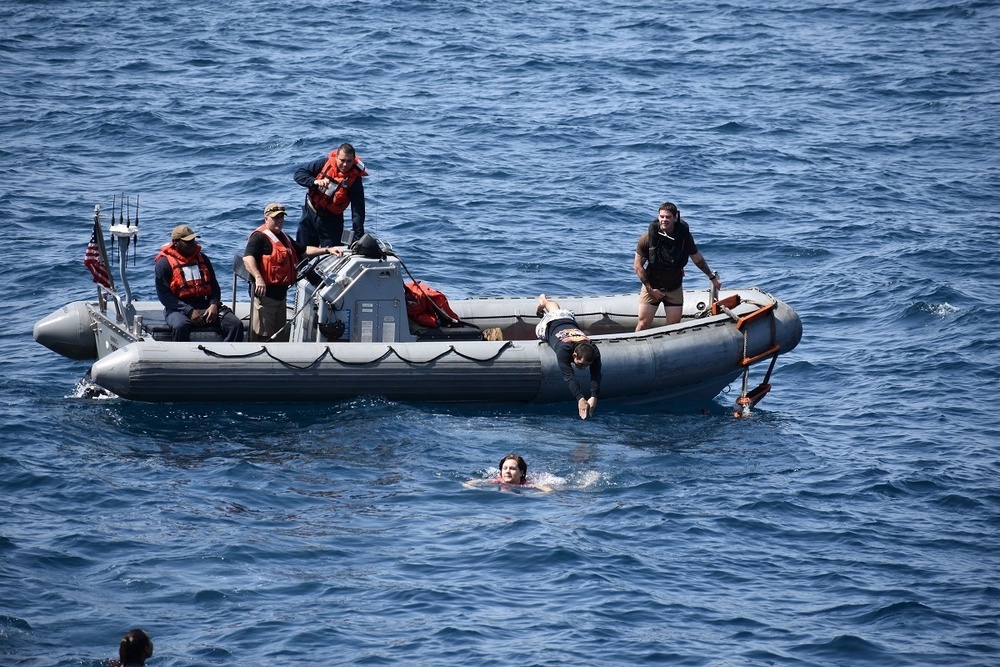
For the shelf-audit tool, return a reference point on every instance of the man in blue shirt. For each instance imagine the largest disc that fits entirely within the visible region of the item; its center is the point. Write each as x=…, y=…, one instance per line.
x=332, y=184
x=187, y=288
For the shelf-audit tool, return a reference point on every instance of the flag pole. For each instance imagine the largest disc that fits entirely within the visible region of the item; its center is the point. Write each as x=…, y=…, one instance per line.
x=101, y=247
x=95, y=258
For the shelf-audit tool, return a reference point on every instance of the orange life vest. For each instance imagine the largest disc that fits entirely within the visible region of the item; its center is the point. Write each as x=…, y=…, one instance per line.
x=338, y=202
x=190, y=276
x=420, y=309
x=278, y=267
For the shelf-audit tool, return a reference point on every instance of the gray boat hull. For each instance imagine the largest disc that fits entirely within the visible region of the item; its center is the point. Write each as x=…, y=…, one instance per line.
x=688, y=362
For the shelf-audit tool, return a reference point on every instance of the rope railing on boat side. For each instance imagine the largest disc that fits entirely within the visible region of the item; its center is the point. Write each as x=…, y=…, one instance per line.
x=604, y=313
x=328, y=352
x=533, y=316
x=713, y=299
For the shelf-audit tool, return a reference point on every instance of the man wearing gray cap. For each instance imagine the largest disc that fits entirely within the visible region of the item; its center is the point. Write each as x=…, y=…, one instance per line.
x=187, y=288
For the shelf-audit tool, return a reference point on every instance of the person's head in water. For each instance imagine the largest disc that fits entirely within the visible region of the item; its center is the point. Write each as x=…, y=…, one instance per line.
x=134, y=648
x=513, y=469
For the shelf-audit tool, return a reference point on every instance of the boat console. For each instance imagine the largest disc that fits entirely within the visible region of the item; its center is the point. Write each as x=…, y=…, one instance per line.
x=355, y=298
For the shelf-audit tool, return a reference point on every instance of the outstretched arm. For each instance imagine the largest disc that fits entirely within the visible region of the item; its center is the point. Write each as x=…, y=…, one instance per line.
x=316, y=251
x=357, y=193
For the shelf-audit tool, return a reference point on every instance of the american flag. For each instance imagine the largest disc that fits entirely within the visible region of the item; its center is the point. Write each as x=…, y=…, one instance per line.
x=96, y=259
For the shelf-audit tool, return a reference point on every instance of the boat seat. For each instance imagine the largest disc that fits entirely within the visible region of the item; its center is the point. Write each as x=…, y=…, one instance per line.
x=240, y=269
x=161, y=331
x=467, y=332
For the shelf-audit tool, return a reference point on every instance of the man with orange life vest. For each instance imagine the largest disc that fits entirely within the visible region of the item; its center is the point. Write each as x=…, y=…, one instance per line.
x=187, y=288
x=270, y=258
x=332, y=183
x=573, y=348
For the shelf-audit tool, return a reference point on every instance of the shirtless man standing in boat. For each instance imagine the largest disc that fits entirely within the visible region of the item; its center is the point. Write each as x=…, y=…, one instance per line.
x=573, y=348
x=660, y=257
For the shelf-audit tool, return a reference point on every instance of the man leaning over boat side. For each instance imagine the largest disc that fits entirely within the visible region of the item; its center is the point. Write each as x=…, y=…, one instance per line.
x=332, y=183
x=660, y=256
x=271, y=257
x=189, y=291
x=573, y=348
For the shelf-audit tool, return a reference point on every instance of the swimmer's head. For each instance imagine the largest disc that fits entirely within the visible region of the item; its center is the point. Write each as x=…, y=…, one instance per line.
x=134, y=648
x=513, y=469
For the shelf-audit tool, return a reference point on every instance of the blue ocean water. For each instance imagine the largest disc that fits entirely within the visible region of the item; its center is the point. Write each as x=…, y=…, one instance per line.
x=841, y=155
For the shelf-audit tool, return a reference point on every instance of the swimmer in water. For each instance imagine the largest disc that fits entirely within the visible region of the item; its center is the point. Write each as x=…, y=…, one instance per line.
x=134, y=649
x=513, y=473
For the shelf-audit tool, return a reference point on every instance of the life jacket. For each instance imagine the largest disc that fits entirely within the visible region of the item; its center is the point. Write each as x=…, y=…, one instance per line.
x=338, y=202
x=278, y=267
x=665, y=252
x=190, y=276
x=420, y=302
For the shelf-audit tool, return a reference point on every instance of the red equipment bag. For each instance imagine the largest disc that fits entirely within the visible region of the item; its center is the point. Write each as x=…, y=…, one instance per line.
x=427, y=306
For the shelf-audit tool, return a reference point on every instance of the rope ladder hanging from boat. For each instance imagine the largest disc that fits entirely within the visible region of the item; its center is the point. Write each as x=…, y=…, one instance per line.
x=748, y=399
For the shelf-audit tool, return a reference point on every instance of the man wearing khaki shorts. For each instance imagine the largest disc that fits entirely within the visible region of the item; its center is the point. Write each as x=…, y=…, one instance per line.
x=270, y=258
x=660, y=256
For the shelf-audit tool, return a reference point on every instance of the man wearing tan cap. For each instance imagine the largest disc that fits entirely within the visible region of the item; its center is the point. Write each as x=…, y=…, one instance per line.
x=271, y=257
x=187, y=288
